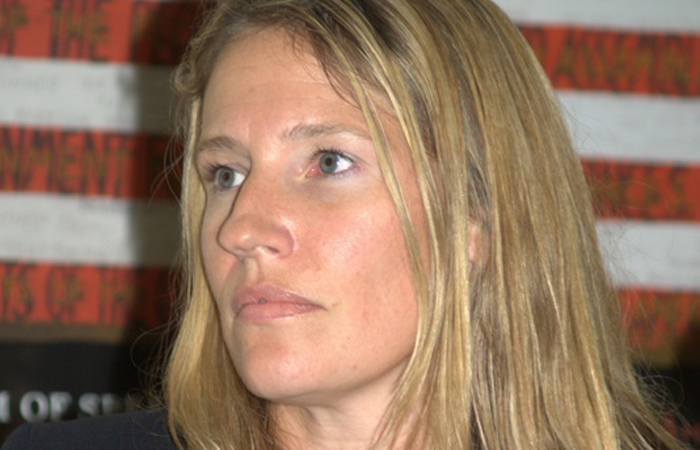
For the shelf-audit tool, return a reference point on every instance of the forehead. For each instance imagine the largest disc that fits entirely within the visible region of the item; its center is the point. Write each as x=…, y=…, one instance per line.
x=273, y=78
x=268, y=67
x=268, y=84
x=266, y=56
x=288, y=54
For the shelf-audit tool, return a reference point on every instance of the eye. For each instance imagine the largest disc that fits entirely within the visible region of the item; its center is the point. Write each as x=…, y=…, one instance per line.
x=332, y=163
x=226, y=177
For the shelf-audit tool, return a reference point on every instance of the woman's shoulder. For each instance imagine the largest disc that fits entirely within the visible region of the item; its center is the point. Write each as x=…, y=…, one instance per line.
x=143, y=430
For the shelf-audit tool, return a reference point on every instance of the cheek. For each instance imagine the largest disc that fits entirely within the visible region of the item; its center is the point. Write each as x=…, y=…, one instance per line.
x=365, y=237
x=366, y=255
x=207, y=241
x=213, y=255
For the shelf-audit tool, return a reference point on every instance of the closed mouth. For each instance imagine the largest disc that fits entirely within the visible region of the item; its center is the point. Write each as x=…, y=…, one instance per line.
x=267, y=302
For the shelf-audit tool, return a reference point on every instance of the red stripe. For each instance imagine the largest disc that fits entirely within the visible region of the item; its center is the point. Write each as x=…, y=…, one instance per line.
x=88, y=163
x=96, y=30
x=93, y=163
x=644, y=191
x=662, y=325
x=685, y=429
x=659, y=323
x=84, y=296
x=618, y=61
x=156, y=33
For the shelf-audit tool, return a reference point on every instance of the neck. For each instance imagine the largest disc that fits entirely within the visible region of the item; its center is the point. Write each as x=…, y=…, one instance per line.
x=315, y=428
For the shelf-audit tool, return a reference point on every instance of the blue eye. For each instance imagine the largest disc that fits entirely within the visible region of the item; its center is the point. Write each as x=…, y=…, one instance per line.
x=227, y=178
x=331, y=163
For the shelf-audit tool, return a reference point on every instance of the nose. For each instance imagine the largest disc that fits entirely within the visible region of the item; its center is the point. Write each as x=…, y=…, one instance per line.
x=257, y=226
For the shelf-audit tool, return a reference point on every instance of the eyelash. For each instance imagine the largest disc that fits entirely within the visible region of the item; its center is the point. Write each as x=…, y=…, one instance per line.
x=210, y=172
x=211, y=169
x=316, y=156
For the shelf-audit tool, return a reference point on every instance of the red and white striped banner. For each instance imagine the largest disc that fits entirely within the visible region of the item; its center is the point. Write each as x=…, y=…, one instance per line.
x=88, y=220
x=84, y=116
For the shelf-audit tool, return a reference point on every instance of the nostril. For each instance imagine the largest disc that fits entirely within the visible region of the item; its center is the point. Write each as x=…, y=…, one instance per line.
x=271, y=250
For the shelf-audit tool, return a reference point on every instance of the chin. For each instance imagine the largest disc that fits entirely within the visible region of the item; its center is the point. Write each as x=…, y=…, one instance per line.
x=275, y=378
x=284, y=391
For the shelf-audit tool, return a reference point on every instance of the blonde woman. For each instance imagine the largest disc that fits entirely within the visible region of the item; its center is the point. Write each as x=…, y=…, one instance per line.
x=388, y=244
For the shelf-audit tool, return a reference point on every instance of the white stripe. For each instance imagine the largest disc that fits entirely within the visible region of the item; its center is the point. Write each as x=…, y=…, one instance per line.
x=131, y=98
x=83, y=95
x=83, y=230
x=630, y=127
x=668, y=15
x=660, y=255
x=76, y=230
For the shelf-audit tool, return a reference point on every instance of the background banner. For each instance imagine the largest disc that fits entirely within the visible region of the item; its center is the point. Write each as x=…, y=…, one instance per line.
x=88, y=198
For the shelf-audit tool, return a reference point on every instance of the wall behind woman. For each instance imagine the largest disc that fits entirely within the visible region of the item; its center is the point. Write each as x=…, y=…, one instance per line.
x=88, y=223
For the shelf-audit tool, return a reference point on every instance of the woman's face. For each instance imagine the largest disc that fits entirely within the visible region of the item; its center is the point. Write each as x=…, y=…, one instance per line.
x=302, y=247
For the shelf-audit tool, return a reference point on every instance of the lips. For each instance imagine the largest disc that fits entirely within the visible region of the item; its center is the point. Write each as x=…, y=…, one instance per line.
x=266, y=303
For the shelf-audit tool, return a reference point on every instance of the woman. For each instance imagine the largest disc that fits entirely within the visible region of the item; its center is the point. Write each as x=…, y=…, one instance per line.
x=388, y=240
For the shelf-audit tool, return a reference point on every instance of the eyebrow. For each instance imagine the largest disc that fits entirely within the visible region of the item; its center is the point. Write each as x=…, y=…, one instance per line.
x=312, y=130
x=221, y=142
x=296, y=133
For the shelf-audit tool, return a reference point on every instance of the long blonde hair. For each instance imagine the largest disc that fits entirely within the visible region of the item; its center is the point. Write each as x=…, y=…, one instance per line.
x=517, y=349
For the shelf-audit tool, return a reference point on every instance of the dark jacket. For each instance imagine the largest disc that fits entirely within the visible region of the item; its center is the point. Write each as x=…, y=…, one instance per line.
x=146, y=430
